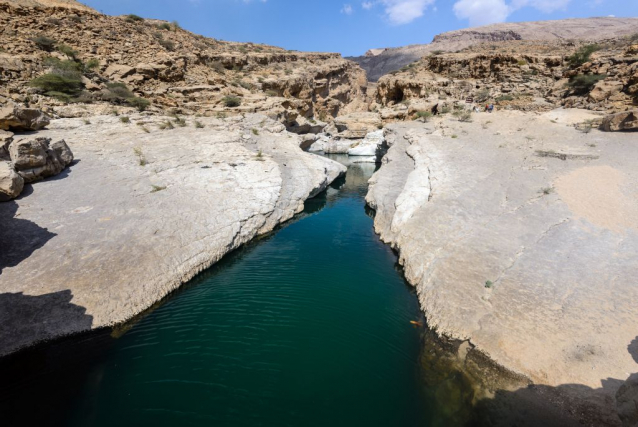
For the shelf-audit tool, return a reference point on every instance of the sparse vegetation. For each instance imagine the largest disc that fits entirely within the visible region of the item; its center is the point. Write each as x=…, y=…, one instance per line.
x=133, y=18
x=179, y=121
x=87, y=121
x=437, y=52
x=157, y=188
x=140, y=156
x=166, y=44
x=547, y=191
x=271, y=93
x=53, y=21
x=254, y=131
x=166, y=125
x=582, y=55
x=584, y=83
x=463, y=115
x=199, y=125
x=521, y=62
x=43, y=42
x=260, y=156
x=68, y=51
x=504, y=98
x=482, y=95
x=144, y=128
x=489, y=284
x=164, y=26
x=217, y=66
x=118, y=93
x=454, y=136
x=231, y=101
x=125, y=119
x=220, y=115
x=424, y=115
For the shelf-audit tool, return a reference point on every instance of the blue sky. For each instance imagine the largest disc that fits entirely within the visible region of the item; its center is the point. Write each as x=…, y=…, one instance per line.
x=352, y=26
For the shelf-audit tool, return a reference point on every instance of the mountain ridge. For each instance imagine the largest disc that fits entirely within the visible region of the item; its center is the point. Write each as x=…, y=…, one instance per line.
x=592, y=29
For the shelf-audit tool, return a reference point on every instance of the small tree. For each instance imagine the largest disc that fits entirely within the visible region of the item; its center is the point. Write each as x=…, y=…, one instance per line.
x=582, y=55
x=584, y=83
x=232, y=101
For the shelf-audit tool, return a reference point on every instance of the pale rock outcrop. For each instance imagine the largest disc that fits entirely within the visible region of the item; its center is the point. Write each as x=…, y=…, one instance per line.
x=11, y=183
x=605, y=90
x=143, y=213
x=508, y=238
x=371, y=145
x=38, y=158
x=621, y=122
x=18, y=118
x=357, y=125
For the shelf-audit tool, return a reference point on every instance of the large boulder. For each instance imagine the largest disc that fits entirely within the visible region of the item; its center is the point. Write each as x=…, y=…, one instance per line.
x=38, y=158
x=5, y=139
x=18, y=118
x=625, y=121
x=627, y=402
x=605, y=90
x=11, y=183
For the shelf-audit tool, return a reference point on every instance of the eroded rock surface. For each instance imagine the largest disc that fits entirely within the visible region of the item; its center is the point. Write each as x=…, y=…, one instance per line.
x=529, y=257
x=16, y=117
x=141, y=213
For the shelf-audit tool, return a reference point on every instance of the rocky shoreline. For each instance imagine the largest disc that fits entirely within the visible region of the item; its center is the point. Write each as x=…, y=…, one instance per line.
x=485, y=221
x=140, y=212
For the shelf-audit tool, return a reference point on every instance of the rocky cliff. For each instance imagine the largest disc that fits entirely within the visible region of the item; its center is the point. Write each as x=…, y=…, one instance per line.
x=521, y=75
x=591, y=29
x=83, y=57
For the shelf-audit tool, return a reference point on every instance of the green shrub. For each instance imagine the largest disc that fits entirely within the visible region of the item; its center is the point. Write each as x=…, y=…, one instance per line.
x=482, y=95
x=437, y=52
x=179, y=121
x=582, y=55
x=463, y=115
x=58, y=86
x=217, y=66
x=68, y=51
x=140, y=103
x=232, y=101
x=199, y=125
x=522, y=62
x=54, y=21
x=164, y=26
x=583, y=83
x=134, y=18
x=43, y=42
x=176, y=26
x=633, y=38
x=167, y=44
x=254, y=131
x=504, y=98
x=271, y=93
x=425, y=115
x=125, y=119
x=75, y=18
x=91, y=64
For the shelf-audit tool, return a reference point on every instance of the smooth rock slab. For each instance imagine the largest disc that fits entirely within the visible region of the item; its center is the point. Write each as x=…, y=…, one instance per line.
x=139, y=214
x=530, y=258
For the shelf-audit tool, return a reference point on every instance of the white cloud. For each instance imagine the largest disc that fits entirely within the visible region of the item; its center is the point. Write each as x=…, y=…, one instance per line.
x=347, y=9
x=483, y=12
x=401, y=12
x=367, y=5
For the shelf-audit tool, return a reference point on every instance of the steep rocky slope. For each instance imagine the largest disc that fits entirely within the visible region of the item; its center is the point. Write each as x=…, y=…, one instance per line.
x=70, y=4
x=521, y=75
x=382, y=61
x=164, y=64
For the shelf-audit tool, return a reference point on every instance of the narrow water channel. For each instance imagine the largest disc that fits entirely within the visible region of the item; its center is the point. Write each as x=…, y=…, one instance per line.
x=309, y=326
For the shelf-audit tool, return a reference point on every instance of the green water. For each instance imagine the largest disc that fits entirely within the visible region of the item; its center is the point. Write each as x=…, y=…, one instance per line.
x=309, y=326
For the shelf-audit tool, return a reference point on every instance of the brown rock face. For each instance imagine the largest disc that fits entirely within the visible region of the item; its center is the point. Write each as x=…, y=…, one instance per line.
x=621, y=122
x=173, y=68
x=16, y=117
x=70, y=4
